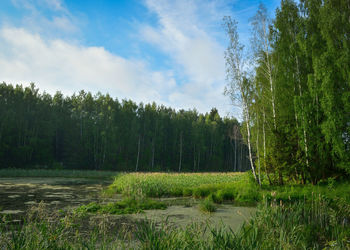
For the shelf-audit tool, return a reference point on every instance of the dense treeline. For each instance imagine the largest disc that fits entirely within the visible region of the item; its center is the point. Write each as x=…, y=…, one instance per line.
x=296, y=102
x=97, y=132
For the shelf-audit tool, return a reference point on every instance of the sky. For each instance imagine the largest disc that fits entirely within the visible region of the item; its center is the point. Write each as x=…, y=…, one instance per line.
x=166, y=51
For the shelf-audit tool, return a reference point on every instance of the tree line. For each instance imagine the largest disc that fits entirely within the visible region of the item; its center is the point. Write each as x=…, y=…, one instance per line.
x=296, y=96
x=86, y=131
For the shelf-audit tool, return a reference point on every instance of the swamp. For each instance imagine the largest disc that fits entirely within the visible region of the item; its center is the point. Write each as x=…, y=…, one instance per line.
x=171, y=125
x=128, y=211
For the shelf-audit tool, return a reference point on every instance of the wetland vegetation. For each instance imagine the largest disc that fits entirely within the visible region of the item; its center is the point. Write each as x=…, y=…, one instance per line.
x=109, y=174
x=293, y=216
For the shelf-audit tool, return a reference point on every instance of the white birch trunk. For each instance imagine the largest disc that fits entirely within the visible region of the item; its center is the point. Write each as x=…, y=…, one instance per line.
x=303, y=115
x=247, y=120
x=257, y=148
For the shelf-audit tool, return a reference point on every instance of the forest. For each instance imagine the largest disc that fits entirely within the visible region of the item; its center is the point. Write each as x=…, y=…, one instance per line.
x=294, y=90
x=276, y=179
x=98, y=132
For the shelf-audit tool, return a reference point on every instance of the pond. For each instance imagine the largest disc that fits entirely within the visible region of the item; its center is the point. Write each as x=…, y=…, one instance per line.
x=18, y=194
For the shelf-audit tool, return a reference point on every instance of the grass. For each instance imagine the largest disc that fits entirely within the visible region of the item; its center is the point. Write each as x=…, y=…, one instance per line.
x=301, y=225
x=15, y=172
x=42, y=229
x=314, y=224
x=233, y=187
x=288, y=217
x=126, y=206
x=207, y=205
x=221, y=187
x=170, y=184
x=289, y=193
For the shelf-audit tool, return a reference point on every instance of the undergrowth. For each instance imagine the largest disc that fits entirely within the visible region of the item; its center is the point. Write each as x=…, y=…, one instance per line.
x=126, y=206
x=241, y=189
x=207, y=205
x=300, y=225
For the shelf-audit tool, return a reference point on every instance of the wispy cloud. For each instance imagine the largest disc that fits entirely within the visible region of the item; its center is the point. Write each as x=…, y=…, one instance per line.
x=44, y=50
x=186, y=34
x=60, y=22
x=57, y=65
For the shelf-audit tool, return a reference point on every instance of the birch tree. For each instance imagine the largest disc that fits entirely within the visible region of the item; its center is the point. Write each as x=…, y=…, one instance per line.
x=261, y=46
x=239, y=86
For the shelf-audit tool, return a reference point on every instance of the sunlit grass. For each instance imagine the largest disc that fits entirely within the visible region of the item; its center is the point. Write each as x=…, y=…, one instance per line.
x=170, y=184
x=239, y=188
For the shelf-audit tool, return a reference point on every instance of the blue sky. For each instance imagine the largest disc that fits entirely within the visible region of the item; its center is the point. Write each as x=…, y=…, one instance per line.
x=167, y=51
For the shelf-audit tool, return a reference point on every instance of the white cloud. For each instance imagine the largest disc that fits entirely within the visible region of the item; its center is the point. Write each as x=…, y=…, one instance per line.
x=185, y=33
x=181, y=36
x=57, y=65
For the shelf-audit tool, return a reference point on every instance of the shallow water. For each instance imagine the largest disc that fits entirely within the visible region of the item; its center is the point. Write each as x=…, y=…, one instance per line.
x=17, y=194
x=227, y=215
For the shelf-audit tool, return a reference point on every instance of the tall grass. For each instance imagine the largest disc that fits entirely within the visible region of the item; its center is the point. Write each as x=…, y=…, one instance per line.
x=170, y=184
x=44, y=230
x=306, y=224
x=237, y=187
x=300, y=225
x=126, y=206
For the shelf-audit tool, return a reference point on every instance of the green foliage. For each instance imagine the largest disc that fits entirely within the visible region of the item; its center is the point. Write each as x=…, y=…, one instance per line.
x=207, y=205
x=171, y=184
x=241, y=189
x=126, y=206
x=297, y=109
x=301, y=225
x=42, y=229
x=86, y=131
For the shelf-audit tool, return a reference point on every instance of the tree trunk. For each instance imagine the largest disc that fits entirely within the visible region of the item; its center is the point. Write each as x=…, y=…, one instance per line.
x=303, y=115
x=241, y=158
x=152, y=165
x=235, y=167
x=257, y=148
x=194, y=157
x=247, y=120
x=199, y=157
x=180, y=160
x=138, y=154
x=264, y=138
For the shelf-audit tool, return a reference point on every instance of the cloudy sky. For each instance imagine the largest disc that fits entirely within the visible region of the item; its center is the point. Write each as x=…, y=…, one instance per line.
x=167, y=51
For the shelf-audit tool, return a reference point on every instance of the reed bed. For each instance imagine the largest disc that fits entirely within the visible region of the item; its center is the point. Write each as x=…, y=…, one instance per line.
x=170, y=184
